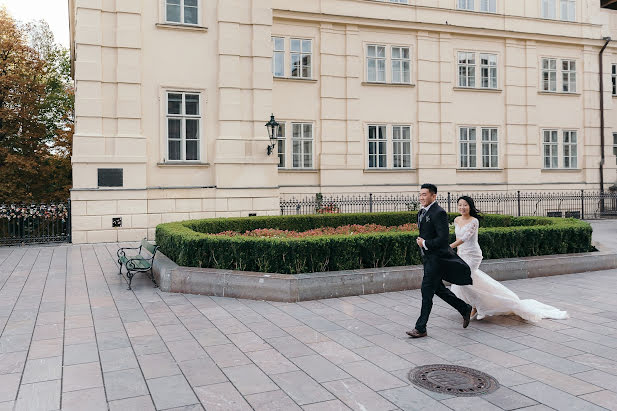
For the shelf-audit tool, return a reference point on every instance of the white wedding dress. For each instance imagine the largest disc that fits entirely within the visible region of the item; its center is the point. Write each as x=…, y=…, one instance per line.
x=489, y=296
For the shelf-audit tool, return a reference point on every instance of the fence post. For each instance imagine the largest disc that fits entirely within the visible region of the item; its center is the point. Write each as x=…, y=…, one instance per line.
x=69, y=228
x=582, y=204
x=518, y=198
x=448, y=201
x=370, y=202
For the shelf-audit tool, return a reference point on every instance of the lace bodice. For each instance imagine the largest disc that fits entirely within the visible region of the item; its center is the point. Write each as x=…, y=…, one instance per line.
x=470, y=249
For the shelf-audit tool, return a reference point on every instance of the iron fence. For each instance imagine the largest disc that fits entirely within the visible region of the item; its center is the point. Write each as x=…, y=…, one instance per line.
x=578, y=204
x=35, y=223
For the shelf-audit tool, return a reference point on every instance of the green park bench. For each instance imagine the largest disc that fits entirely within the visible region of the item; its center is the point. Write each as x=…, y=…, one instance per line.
x=137, y=263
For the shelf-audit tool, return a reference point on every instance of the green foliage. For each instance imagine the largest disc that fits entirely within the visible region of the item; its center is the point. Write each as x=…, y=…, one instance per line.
x=190, y=243
x=36, y=114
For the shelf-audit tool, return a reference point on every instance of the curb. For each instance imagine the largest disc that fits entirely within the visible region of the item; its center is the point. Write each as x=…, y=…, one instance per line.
x=313, y=286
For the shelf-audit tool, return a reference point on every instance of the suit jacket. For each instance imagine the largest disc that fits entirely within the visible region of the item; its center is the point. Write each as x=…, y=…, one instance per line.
x=435, y=231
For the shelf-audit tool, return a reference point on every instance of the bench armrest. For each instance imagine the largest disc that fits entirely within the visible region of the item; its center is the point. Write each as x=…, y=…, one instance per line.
x=121, y=252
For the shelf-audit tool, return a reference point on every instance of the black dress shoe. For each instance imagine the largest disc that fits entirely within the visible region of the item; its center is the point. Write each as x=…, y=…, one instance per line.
x=466, y=318
x=416, y=334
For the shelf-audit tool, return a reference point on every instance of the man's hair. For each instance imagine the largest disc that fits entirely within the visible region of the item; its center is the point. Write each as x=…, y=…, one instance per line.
x=430, y=187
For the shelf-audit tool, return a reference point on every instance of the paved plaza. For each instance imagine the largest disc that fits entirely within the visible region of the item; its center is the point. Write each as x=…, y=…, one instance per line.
x=73, y=337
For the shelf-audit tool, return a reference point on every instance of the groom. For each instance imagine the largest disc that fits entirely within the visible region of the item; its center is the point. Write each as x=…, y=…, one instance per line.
x=440, y=261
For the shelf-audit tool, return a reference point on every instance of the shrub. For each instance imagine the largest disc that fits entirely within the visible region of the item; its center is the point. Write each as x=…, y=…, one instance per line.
x=190, y=243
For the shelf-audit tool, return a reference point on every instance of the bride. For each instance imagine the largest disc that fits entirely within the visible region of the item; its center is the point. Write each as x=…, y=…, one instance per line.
x=487, y=296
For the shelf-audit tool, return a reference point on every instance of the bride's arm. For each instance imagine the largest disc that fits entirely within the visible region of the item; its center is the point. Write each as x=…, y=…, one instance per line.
x=467, y=234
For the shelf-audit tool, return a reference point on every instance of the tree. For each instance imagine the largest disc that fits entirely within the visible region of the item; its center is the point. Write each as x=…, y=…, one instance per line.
x=36, y=114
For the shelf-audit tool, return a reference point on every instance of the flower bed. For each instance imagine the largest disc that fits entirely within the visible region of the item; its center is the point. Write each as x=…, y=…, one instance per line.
x=202, y=243
x=353, y=229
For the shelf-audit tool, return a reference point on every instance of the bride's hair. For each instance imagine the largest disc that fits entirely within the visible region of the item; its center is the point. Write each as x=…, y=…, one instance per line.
x=473, y=211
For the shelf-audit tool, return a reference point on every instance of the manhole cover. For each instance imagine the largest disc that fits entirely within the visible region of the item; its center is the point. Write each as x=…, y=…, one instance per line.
x=453, y=379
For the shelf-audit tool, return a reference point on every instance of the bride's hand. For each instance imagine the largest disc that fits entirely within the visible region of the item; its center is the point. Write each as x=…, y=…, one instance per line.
x=452, y=246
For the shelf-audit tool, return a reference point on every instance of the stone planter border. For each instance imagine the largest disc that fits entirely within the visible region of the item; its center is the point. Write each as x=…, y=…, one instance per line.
x=303, y=287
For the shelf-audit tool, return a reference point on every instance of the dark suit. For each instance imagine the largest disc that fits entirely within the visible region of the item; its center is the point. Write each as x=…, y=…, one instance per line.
x=440, y=263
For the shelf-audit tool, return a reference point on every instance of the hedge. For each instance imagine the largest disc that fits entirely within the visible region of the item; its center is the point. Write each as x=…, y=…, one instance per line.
x=190, y=243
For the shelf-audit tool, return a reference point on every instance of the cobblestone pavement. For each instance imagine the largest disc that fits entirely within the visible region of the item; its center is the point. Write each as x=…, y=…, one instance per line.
x=74, y=338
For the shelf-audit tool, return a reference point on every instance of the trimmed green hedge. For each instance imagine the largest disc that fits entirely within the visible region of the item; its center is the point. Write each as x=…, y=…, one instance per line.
x=189, y=243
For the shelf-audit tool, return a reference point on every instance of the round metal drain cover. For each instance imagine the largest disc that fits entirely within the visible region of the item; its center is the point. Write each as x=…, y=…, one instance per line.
x=453, y=380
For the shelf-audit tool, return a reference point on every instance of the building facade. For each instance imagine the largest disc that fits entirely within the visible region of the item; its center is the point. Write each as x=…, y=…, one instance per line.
x=372, y=96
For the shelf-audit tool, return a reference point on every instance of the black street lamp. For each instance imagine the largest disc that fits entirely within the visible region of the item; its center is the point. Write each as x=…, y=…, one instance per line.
x=273, y=132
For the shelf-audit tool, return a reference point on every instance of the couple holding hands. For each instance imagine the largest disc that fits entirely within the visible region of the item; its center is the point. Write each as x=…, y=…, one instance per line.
x=473, y=292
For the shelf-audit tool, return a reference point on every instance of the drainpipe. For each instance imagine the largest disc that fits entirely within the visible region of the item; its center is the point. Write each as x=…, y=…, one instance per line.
x=607, y=40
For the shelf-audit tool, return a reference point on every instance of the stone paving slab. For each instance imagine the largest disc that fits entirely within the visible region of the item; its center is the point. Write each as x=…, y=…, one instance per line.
x=73, y=337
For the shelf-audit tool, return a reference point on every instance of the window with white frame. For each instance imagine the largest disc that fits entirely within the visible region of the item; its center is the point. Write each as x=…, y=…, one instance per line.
x=488, y=70
x=568, y=74
x=278, y=56
x=183, y=126
x=377, y=146
x=466, y=69
x=465, y=4
x=549, y=75
x=549, y=9
x=570, y=151
x=376, y=63
x=398, y=1
x=401, y=146
x=614, y=78
x=401, y=65
x=301, y=58
x=615, y=144
x=488, y=6
x=281, y=146
x=490, y=148
x=302, y=145
x=182, y=11
x=568, y=10
x=550, y=144
x=467, y=147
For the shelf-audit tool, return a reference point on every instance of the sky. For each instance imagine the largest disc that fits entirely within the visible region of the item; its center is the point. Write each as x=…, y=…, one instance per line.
x=55, y=12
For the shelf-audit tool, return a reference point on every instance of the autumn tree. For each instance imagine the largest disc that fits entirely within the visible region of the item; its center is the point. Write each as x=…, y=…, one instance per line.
x=36, y=112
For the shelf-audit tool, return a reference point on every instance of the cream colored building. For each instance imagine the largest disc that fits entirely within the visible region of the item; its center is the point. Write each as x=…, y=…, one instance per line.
x=375, y=96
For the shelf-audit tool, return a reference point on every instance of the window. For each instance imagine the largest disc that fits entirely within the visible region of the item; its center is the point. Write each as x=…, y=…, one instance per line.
x=376, y=63
x=568, y=10
x=488, y=6
x=302, y=145
x=398, y=1
x=301, y=58
x=181, y=11
x=569, y=149
x=465, y=4
x=278, y=56
x=614, y=78
x=549, y=9
x=549, y=75
x=551, y=147
x=615, y=144
x=488, y=69
x=401, y=146
x=466, y=69
x=489, y=148
x=281, y=146
x=183, y=125
x=568, y=72
x=377, y=142
x=400, y=65
x=467, y=141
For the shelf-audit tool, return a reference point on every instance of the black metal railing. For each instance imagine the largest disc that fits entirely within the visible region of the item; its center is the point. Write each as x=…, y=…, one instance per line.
x=35, y=223
x=577, y=204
